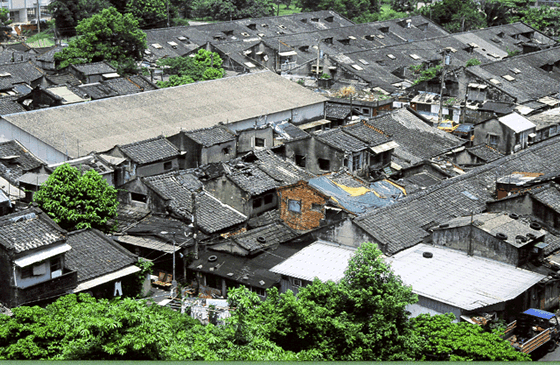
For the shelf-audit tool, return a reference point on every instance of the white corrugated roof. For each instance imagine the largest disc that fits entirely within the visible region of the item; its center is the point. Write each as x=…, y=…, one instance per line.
x=106, y=278
x=321, y=259
x=517, y=122
x=42, y=255
x=466, y=282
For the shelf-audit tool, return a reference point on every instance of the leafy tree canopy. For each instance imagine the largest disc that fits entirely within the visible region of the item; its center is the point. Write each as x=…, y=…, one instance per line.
x=232, y=9
x=205, y=65
x=106, y=36
x=67, y=13
x=357, y=10
x=77, y=201
x=445, y=340
x=455, y=15
x=5, y=21
x=150, y=13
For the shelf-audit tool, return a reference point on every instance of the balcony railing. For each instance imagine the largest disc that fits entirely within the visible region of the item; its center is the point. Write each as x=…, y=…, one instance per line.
x=48, y=289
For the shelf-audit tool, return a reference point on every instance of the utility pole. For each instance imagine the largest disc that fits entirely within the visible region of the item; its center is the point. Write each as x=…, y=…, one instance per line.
x=444, y=62
x=168, y=13
x=195, y=226
x=38, y=16
x=318, y=56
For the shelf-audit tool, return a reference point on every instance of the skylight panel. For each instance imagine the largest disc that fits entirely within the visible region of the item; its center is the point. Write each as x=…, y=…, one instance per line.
x=391, y=56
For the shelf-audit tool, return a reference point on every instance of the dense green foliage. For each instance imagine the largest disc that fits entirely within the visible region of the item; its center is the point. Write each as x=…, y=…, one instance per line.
x=445, y=340
x=424, y=73
x=106, y=36
x=356, y=10
x=75, y=200
x=150, y=13
x=363, y=317
x=67, y=13
x=205, y=65
x=458, y=16
x=473, y=62
x=231, y=9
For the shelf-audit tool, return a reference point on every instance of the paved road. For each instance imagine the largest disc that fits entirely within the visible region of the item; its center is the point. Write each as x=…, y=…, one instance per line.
x=548, y=356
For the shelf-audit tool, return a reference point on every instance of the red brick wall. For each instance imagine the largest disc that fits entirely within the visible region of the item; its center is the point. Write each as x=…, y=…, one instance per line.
x=308, y=218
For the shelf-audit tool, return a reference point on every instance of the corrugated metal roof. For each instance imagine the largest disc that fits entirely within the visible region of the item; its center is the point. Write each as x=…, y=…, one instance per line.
x=466, y=282
x=106, y=278
x=42, y=255
x=539, y=313
x=323, y=260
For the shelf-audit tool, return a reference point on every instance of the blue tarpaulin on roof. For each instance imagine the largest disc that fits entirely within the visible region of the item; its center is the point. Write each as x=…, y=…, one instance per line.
x=539, y=313
x=387, y=194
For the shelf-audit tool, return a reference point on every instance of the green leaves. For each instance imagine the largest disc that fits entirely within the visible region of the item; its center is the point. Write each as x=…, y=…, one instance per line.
x=108, y=36
x=76, y=201
x=232, y=9
x=205, y=65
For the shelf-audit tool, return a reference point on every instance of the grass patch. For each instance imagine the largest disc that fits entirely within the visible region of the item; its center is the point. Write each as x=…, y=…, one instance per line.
x=285, y=11
x=43, y=39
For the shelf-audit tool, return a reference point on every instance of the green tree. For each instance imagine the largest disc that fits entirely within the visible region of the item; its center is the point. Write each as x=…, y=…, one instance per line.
x=106, y=36
x=444, y=340
x=67, y=13
x=473, y=62
x=77, y=201
x=358, y=10
x=205, y=65
x=455, y=15
x=361, y=318
x=5, y=21
x=150, y=13
x=232, y=9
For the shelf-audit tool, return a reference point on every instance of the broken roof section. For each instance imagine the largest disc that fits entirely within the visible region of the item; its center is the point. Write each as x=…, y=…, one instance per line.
x=355, y=195
x=150, y=150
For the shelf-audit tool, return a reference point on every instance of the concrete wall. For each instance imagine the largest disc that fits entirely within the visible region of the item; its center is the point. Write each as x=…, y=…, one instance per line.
x=228, y=193
x=218, y=153
x=430, y=306
x=246, y=139
x=39, y=148
x=7, y=274
x=345, y=233
x=482, y=243
x=24, y=283
x=157, y=168
x=314, y=150
x=506, y=138
x=521, y=205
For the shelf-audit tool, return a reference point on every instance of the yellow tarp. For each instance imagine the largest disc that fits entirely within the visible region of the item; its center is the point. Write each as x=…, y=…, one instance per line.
x=355, y=191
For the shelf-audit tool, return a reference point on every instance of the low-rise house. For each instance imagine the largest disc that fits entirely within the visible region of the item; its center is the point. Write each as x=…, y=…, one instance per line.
x=508, y=134
x=476, y=155
x=91, y=162
x=245, y=187
x=547, y=124
x=105, y=269
x=207, y=145
x=450, y=281
x=41, y=97
x=322, y=260
x=92, y=72
x=497, y=236
x=32, y=251
x=146, y=158
x=174, y=192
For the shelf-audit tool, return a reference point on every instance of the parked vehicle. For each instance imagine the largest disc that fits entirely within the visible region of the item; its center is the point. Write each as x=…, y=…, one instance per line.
x=533, y=329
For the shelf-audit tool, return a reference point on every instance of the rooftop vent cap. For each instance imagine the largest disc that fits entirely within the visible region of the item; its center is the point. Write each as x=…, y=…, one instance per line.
x=536, y=226
x=501, y=236
x=212, y=258
x=427, y=255
x=261, y=239
x=514, y=216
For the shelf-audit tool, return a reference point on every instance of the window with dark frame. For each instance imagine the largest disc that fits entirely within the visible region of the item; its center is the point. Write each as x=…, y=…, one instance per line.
x=138, y=197
x=259, y=142
x=317, y=207
x=56, y=264
x=268, y=199
x=324, y=164
x=300, y=160
x=257, y=203
x=226, y=150
x=26, y=272
x=294, y=206
x=167, y=165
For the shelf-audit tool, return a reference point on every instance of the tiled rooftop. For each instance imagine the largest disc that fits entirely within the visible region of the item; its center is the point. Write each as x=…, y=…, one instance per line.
x=29, y=229
x=211, y=136
x=150, y=150
x=93, y=255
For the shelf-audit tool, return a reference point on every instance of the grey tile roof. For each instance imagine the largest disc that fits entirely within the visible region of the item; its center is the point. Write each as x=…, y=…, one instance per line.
x=549, y=196
x=29, y=229
x=165, y=228
x=48, y=56
x=96, y=91
x=127, y=216
x=485, y=152
x=94, y=255
x=264, y=219
x=150, y=150
x=281, y=170
x=252, y=180
x=16, y=160
x=339, y=140
x=259, y=239
x=212, y=215
x=401, y=225
x=123, y=86
x=63, y=78
x=367, y=133
x=17, y=73
x=12, y=56
x=522, y=87
x=9, y=106
x=211, y=136
x=95, y=68
x=288, y=131
x=142, y=82
x=336, y=111
x=417, y=140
